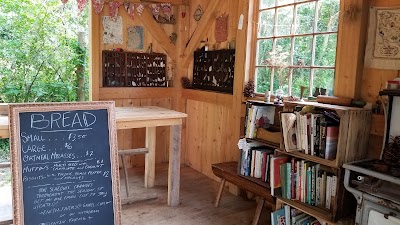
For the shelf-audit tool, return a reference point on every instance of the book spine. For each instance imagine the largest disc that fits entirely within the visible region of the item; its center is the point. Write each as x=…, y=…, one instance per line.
x=298, y=180
x=309, y=185
x=288, y=180
x=312, y=202
x=323, y=126
x=334, y=189
x=317, y=136
x=293, y=179
x=283, y=179
x=264, y=164
x=328, y=192
x=332, y=135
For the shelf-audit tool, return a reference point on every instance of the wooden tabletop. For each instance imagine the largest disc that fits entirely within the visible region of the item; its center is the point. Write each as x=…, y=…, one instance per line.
x=128, y=117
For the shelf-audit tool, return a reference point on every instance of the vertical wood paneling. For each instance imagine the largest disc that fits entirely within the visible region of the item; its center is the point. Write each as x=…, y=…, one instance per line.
x=208, y=136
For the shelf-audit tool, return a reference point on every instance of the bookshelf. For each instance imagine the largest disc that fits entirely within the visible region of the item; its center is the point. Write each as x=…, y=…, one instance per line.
x=262, y=121
x=352, y=141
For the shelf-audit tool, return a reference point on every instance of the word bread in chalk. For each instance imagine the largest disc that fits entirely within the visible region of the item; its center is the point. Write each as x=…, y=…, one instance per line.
x=57, y=120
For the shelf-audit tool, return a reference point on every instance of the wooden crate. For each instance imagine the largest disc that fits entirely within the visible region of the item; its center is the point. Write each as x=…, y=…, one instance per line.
x=132, y=69
x=214, y=70
x=354, y=130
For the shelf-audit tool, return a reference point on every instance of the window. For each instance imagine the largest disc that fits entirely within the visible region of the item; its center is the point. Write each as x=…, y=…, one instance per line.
x=296, y=45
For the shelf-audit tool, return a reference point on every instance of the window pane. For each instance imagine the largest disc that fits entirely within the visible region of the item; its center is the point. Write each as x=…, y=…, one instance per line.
x=302, y=51
x=305, y=18
x=263, y=46
x=282, y=50
x=263, y=79
x=266, y=3
x=285, y=20
x=300, y=77
x=281, y=79
x=328, y=14
x=325, y=52
x=285, y=2
x=324, y=78
x=266, y=24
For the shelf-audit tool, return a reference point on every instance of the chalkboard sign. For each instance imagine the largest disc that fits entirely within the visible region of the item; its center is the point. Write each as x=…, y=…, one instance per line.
x=64, y=163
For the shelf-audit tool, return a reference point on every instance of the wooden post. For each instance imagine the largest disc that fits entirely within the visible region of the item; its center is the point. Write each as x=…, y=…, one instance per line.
x=80, y=70
x=150, y=158
x=174, y=172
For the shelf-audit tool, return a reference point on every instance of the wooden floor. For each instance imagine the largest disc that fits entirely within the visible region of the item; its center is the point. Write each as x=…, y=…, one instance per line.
x=197, y=194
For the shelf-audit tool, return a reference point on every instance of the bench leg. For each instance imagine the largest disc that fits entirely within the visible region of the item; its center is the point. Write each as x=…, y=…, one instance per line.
x=258, y=211
x=221, y=188
x=125, y=175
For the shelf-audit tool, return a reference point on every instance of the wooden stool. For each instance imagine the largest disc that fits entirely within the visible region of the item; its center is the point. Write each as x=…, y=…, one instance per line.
x=129, y=152
x=227, y=171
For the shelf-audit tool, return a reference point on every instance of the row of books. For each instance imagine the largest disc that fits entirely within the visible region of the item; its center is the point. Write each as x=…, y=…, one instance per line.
x=315, y=133
x=258, y=116
x=255, y=162
x=304, y=181
x=291, y=216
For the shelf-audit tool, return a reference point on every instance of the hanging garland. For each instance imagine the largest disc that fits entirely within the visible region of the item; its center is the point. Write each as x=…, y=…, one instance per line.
x=130, y=7
x=114, y=6
x=98, y=6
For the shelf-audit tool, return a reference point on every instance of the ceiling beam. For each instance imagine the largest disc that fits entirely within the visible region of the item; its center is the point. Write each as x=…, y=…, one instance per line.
x=203, y=27
x=158, y=33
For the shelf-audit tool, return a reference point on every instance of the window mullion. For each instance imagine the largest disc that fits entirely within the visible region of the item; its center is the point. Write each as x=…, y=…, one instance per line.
x=314, y=43
x=274, y=47
x=292, y=32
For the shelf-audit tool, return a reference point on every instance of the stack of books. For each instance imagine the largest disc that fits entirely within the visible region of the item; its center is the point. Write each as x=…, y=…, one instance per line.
x=291, y=216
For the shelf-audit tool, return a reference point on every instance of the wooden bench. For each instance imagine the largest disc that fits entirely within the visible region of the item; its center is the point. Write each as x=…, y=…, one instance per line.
x=227, y=171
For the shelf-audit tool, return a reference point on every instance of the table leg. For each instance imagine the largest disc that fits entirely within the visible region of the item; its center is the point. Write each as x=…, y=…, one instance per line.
x=174, y=165
x=150, y=158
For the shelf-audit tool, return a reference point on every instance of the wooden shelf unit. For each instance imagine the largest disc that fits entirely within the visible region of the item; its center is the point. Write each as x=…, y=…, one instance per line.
x=214, y=70
x=133, y=69
x=354, y=129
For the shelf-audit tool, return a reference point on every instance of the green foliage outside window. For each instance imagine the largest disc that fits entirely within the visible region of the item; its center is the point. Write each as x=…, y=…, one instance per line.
x=301, y=66
x=39, y=53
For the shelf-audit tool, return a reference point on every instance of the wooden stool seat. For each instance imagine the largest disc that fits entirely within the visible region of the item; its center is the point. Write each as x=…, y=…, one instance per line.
x=227, y=171
x=128, y=152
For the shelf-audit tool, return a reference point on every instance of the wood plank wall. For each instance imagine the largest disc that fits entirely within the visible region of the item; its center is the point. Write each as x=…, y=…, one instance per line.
x=212, y=128
x=374, y=80
x=162, y=97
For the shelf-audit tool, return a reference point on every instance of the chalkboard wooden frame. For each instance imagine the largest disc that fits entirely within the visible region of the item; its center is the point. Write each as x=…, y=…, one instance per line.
x=15, y=147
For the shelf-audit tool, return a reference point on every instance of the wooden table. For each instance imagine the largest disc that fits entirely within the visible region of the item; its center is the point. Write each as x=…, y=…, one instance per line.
x=148, y=117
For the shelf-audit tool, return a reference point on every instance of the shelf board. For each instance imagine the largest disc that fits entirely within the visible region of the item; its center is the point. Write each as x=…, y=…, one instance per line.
x=325, y=106
x=326, y=162
x=317, y=212
x=267, y=143
x=257, y=181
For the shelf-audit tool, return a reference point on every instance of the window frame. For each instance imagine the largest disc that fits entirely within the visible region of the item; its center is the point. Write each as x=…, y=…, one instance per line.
x=314, y=34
